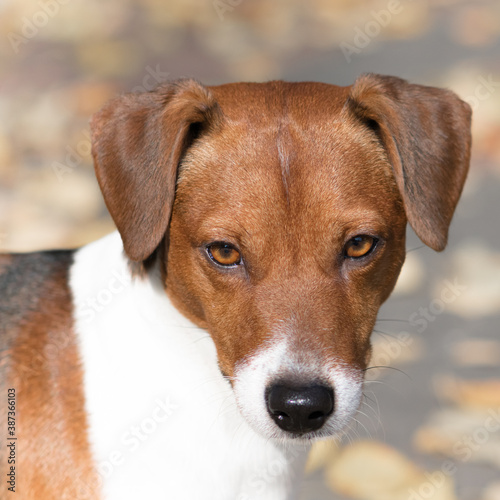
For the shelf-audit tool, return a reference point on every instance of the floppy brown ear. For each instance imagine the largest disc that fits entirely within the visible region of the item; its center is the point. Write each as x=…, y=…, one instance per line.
x=137, y=143
x=426, y=134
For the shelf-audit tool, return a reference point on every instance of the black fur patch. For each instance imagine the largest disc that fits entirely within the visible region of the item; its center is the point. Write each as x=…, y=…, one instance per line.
x=26, y=280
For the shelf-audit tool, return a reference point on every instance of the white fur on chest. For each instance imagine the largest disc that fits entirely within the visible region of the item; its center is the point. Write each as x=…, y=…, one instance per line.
x=163, y=423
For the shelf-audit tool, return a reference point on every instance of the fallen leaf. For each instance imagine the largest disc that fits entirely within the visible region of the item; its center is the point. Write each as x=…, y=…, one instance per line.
x=476, y=352
x=369, y=470
x=321, y=454
x=464, y=435
x=468, y=393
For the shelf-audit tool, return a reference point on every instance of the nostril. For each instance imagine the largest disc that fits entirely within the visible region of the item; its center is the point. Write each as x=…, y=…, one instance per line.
x=299, y=409
x=316, y=414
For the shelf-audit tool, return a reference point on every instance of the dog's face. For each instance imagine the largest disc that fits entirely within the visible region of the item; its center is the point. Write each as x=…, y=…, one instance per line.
x=285, y=255
x=286, y=229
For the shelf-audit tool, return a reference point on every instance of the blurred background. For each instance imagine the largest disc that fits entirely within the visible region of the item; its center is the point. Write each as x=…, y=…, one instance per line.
x=429, y=426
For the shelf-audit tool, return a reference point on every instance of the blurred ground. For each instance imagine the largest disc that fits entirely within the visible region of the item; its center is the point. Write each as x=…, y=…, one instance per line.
x=61, y=59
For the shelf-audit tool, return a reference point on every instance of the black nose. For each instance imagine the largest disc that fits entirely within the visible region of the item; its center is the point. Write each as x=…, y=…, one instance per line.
x=299, y=409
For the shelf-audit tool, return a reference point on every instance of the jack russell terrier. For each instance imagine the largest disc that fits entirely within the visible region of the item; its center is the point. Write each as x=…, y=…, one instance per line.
x=197, y=352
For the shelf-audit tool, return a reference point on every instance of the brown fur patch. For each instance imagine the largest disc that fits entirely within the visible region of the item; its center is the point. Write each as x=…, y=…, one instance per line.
x=39, y=359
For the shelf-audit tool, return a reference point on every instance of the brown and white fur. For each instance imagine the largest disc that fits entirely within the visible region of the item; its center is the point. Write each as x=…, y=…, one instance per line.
x=145, y=369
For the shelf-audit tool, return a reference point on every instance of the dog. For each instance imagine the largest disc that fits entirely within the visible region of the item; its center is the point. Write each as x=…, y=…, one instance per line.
x=197, y=352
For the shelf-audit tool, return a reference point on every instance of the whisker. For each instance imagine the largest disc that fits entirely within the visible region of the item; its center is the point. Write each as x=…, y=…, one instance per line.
x=380, y=332
x=392, y=320
x=388, y=368
x=376, y=412
x=416, y=248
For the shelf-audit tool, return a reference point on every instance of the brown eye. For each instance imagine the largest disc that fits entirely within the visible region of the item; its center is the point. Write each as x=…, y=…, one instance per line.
x=224, y=254
x=359, y=246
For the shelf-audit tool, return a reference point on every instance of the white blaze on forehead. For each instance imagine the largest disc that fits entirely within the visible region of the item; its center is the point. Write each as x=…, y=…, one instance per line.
x=279, y=361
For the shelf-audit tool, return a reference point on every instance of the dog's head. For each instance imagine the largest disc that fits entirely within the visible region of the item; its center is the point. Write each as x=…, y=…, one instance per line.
x=278, y=214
